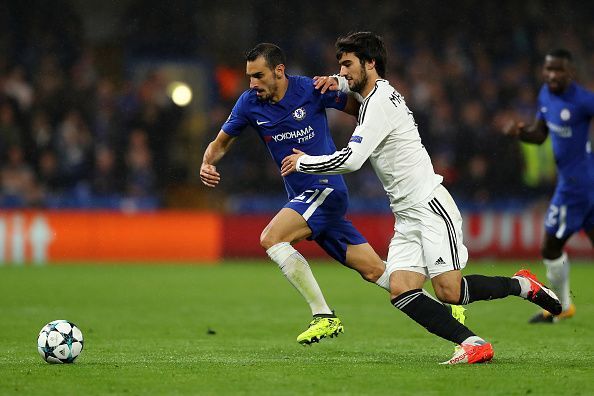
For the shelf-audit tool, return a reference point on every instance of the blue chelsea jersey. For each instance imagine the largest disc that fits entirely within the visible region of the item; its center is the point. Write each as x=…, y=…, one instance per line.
x=568, y=117
x=298, y=120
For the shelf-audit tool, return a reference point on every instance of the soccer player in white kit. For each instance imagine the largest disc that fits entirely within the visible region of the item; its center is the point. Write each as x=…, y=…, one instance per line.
x=427, y=242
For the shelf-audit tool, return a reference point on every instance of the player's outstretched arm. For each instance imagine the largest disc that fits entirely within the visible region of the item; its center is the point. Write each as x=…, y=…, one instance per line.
x=334, y=83
x=213, y=154
x=535, y=133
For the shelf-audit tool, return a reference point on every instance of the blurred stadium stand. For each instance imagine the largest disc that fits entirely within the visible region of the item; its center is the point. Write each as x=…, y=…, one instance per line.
x=87, y=120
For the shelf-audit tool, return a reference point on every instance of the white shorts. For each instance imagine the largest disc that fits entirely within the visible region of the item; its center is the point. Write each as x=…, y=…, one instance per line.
x=428, y=237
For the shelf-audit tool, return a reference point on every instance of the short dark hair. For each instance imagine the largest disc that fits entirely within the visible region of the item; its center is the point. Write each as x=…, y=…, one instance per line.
x=271, y=53
x=561, y=53
x=367, y=47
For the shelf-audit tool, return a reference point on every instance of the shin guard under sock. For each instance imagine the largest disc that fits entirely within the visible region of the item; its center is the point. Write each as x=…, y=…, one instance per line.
x=432, y=315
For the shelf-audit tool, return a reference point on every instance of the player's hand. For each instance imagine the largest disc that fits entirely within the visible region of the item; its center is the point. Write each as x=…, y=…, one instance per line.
x=324, y=83
x=209, y=175
x=289, y=164
x=513, y=128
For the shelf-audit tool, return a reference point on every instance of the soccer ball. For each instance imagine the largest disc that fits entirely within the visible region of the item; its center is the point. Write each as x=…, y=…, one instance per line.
x=59, y=341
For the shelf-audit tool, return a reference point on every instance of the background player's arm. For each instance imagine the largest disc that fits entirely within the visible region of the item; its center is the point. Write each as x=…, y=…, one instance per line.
x=214, y=152
x=535, y=133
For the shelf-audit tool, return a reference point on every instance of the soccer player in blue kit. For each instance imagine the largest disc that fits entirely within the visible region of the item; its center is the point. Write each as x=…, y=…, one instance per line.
x=565, y=111
x=288, y=111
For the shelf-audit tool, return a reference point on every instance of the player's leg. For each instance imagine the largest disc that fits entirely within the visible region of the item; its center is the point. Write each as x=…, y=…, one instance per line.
x=565, y=216
x=363, y=259
x=343, y=242
x=557, y=265
x=408, y=297
x=406, y=264
x=454, y=288
x=313, y=210
x=285, y=228
x=445, y=256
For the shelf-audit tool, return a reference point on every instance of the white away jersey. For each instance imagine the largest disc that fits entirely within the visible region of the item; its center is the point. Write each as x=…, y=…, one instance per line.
x=387, y=134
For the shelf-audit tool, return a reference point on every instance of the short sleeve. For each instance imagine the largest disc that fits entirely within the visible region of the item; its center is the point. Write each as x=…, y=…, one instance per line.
x=237, y=120
x=588, y=103
x=334, y=99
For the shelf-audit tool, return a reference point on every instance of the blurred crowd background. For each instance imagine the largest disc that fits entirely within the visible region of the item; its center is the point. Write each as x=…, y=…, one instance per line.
x=87, y=119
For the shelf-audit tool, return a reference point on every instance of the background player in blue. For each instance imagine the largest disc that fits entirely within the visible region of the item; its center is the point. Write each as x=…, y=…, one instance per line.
x=288, y=111
x=565, y=110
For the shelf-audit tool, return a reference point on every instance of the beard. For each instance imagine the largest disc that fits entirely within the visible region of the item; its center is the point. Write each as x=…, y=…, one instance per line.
x=359, y=85
x=263, y=96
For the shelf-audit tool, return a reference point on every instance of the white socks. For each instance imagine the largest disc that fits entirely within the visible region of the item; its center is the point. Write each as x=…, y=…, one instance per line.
x=474, y=340
x=384, y=281
x=297, y=271
x=524, y=286
x=558, y=276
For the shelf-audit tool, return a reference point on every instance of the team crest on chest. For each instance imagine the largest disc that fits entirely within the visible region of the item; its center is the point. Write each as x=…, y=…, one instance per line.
x=565, y=114
x=299, y=114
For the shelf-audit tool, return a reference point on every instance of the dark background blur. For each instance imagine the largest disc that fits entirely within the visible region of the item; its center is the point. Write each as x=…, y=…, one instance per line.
x=87, y=119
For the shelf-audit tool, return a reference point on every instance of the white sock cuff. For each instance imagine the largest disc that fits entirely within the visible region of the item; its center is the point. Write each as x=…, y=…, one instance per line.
x=559, y=261
x=474, y=340
x=280, y=252
x=384, y=280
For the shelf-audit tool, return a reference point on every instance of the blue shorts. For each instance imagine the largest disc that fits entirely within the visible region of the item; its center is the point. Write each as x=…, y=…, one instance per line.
x=324, y=208
x=569, y=213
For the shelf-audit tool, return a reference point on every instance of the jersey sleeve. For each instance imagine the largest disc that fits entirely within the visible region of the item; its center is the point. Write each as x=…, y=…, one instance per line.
x=588, y=103
x=334, y=99
x=372, y=130
x=237, y=120
x=540, y=105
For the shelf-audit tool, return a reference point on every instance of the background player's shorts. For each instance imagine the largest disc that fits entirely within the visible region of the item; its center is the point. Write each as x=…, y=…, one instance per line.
x=324, y=208
x=428, y=237
x=568, y=213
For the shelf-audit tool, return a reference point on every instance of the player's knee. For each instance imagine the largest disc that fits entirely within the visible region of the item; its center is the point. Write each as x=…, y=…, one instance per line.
x=267, y=240
x=448, y=294
x=396, y=290
x=372, y=273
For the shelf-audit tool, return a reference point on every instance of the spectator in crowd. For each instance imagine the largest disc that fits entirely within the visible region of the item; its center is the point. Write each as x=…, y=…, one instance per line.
x=106, y=180
x=17, y=181
x=140, y=180
x=462, y=72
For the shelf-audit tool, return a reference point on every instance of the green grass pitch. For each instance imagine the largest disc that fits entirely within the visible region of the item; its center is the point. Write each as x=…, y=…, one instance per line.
x=231, y=329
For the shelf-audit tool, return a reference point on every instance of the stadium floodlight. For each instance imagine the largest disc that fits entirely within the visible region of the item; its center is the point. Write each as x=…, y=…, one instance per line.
x=180, y=93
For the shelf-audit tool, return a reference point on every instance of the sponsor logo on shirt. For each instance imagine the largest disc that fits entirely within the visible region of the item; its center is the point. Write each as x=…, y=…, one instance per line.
x=301, y=135
x=356, y=139
x=561, y=131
